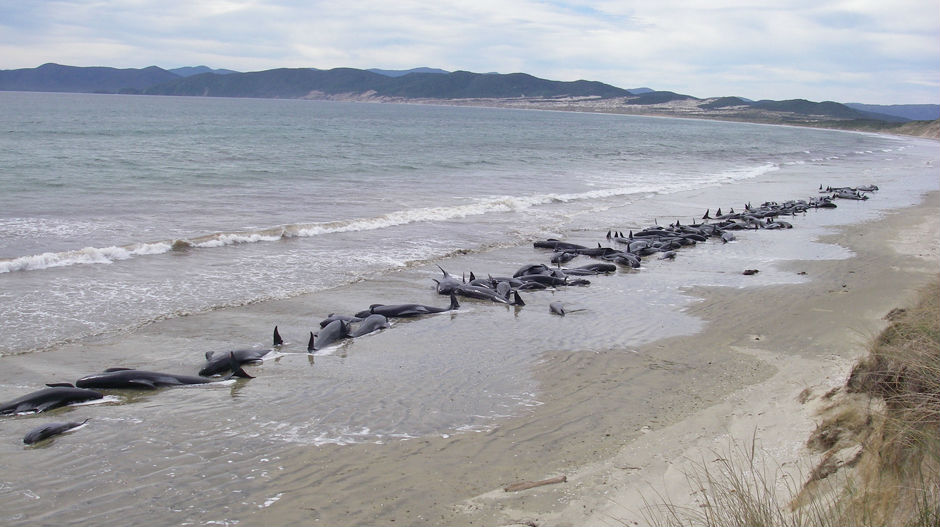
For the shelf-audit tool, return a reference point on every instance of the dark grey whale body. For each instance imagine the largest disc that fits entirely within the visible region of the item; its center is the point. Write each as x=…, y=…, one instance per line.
x=408, y=310
x=330, y=334
x=130, y=379
x=218, y=363
x=333, y=316
x=448, y=283
x=54, y=396
x=491, y=294
x=48, y=430
x=370, y=324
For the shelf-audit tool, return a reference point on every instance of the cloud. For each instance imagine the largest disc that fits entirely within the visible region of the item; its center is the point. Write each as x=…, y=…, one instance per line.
x=668, y=44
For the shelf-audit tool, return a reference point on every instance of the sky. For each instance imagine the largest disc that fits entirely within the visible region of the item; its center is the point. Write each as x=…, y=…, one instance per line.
x=868, y=51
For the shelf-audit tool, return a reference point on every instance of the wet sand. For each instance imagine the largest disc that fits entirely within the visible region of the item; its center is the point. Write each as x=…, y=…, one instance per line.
x=615, y=439
x=763, y=346
x=614, y=419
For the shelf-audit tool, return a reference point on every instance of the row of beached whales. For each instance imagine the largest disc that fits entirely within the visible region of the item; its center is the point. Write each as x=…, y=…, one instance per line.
x=656, y=240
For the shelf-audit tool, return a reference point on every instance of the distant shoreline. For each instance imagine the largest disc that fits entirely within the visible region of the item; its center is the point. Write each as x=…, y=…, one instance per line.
x=618, y=106
x=465, y=88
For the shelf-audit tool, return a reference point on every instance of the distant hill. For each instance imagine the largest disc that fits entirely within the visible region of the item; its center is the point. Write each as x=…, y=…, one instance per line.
x=915, y=112
x=399, y=73
x=725, y=102
x=513, y=90
x=58, y=78
x=657, y=97
x=828, y=108
x=301, y=82
x=797, y=107
x=189, y=71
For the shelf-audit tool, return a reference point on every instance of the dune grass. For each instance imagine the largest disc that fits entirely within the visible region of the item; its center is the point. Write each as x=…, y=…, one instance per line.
x=880, y=435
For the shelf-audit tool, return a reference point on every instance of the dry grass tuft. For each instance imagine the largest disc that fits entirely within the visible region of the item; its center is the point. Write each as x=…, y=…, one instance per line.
x=742, y=487
x=885, y=424
x=899, y=478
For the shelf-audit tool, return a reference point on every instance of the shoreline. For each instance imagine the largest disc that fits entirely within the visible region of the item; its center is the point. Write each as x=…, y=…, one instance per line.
x=851, y=296
x=616, y=421
x=674, y=110
x=536, y=396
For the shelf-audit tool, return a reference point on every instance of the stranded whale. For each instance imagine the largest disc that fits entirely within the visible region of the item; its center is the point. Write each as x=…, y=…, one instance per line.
x=130, y=379
x=408, y=310
x=48, y=398
x=48, y=430
x=217, y=363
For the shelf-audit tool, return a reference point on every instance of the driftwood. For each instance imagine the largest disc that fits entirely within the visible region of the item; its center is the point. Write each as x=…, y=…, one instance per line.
x=523, y=485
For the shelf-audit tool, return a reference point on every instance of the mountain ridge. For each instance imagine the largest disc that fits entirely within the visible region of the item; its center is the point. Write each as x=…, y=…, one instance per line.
x=430, y=85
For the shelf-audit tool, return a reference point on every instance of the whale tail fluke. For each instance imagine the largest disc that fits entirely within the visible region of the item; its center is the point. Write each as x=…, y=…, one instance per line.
x=277, y=337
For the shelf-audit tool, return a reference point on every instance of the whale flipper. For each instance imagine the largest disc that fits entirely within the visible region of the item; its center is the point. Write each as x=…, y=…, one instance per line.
x=237, y=370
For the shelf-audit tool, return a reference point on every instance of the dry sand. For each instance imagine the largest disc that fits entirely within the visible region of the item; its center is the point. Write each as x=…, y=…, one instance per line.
x=797, y=337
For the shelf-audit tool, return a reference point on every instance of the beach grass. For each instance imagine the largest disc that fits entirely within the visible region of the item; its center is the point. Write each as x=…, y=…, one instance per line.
x=879, y=446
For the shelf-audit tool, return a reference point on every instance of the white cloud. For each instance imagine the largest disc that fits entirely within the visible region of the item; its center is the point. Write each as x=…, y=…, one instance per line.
x=799, y=46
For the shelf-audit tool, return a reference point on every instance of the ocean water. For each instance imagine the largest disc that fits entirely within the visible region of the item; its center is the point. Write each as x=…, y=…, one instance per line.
x=145, y=231
x=117, y=211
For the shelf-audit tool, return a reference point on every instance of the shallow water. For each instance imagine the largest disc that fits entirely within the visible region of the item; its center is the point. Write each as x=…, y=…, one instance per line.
x=216, y=453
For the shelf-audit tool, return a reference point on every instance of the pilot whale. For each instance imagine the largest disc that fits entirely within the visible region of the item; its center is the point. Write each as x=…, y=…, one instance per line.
x=217, y=363
x=54, y=396
x=331, y=333
x=408, y=310
x=130, y=379
x=48, y=430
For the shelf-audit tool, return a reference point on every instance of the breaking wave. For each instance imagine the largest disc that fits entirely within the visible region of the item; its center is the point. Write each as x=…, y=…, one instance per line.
x=481, y=206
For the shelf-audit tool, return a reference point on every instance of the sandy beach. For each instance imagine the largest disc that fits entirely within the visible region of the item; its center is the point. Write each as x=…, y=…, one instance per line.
x=617, y=445
x=427, y=422
x=774, y=343
x=741, y=377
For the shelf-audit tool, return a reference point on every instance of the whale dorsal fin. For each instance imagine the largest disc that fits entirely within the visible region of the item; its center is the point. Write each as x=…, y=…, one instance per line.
x=517, y=300
x=277, y=337
x=209, y=355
